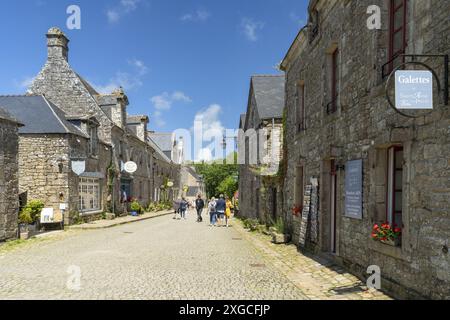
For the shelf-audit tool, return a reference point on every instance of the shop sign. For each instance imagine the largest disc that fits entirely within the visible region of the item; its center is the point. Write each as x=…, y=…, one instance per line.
x=413, y=90
x=353, y=189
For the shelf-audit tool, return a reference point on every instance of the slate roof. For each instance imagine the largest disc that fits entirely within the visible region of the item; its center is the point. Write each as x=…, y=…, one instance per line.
x=269, y=94
x=163, y=140
x=242, y=121
x=4, y=115
x=39, y=115
x=159, y=152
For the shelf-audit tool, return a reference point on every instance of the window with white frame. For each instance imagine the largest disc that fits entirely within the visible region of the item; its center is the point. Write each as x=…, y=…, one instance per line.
x=89, y=193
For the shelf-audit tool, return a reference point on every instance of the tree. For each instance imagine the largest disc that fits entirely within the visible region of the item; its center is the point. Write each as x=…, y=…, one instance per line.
x=228, y=186
x=214, y=174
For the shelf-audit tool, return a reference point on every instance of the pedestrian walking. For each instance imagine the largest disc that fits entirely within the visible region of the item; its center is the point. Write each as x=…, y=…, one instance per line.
x=183, y=207
x=199, y=206
x=212, y=212
x=176, y=208
x=228, y=208
x=220, y=209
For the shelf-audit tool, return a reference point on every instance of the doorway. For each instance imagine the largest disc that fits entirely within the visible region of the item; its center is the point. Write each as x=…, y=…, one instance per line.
x=333, y=196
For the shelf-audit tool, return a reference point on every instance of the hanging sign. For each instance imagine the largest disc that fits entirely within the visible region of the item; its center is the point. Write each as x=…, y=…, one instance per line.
x=353, y=189
x=78, y=167
x=130, y=167
x=413, y=90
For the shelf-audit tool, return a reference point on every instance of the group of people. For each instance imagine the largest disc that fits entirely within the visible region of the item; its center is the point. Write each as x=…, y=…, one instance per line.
x=219, y=210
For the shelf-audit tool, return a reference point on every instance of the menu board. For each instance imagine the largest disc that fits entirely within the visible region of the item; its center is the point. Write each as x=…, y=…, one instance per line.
x=353, y=189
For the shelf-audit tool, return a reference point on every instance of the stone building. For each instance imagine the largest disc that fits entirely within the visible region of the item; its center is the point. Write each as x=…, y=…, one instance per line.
x=339, y=119
x=114, y=136
x=259, y=156
x=192, y=183
x=48, y=145
x=9, y=180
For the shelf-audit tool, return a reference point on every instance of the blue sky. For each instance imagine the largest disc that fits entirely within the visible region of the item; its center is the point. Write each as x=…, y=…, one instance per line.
x=175, y=58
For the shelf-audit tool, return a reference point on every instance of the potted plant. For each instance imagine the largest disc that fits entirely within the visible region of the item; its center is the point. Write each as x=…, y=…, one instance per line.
x=135, y=208
x=25, y=220
x=387, y=234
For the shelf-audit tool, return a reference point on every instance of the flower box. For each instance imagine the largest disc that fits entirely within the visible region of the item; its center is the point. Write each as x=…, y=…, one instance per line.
x=392, y=242
x=387, y=234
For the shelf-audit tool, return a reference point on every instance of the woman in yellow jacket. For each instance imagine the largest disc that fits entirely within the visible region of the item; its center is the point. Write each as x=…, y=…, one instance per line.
x=229, y=206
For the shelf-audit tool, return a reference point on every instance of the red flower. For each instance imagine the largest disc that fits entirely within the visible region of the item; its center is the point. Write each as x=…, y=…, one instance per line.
x=397, y=230
x=376, y=227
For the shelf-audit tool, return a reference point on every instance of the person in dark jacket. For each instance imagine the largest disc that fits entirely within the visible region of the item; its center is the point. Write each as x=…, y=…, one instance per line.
x=221, y=206
x=183, y=207
x=199, y=206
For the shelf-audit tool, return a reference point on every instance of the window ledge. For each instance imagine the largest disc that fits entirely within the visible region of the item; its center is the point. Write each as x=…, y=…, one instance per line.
x=394, y=252
x=90, y=213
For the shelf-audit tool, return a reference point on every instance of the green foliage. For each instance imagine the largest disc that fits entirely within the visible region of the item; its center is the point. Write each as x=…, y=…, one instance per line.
x=279, y=226
x=251, y=224
x=33, y=209
x=75, y=217
x=159, y=206
x=214, y=174
x=25, y=217
x=228, y=187
x=135, y=207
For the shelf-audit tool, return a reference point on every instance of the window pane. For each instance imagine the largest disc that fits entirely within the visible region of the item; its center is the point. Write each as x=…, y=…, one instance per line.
x=399, y=159
x=398, y=42
x=398, y=201
x=399, y=180
x=398, y=19
x=397, y=3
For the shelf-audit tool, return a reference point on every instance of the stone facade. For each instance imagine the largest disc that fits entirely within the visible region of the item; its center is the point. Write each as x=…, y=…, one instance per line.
x=363, y=126
x=9, y=186
x=194, y=182
x=260, y=141
x=123, y=136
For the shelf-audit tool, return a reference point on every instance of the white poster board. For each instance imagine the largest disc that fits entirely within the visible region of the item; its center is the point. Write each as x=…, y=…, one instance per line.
x=47, y=215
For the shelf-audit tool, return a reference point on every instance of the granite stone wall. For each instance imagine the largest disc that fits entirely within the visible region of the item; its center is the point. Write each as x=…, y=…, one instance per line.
x=364, y=127
x=9, y=188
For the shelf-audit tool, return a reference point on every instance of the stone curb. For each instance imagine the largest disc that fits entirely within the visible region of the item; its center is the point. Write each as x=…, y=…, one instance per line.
x=118, y=223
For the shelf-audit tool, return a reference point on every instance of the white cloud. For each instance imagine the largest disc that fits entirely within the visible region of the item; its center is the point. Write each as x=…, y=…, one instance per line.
x=127, y=80
x=113, y=16
x=199, y=15
x=129, y=5
x=139, y=65
x=157, y=118
x=212, y=131
x=124, y=7
x=121, y=79
x=25, y=83
x=165, y=100
x=250, y=28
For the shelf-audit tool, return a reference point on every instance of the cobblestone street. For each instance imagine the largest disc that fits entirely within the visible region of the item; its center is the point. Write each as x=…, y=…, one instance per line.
x=154, y=259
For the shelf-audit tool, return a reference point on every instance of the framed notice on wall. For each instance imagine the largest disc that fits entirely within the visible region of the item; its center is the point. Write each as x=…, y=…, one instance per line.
x=353, y=189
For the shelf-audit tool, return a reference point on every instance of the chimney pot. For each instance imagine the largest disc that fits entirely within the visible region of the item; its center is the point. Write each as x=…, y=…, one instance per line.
x=57, y=44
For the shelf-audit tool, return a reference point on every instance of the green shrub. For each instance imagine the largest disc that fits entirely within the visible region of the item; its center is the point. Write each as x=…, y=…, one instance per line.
x=135, y=207
x=25, y=217
x=279, y=225
x=34, y=209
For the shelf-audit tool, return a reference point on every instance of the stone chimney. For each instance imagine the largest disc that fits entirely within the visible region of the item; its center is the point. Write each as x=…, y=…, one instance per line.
x=57, y=44
x=115, y=106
